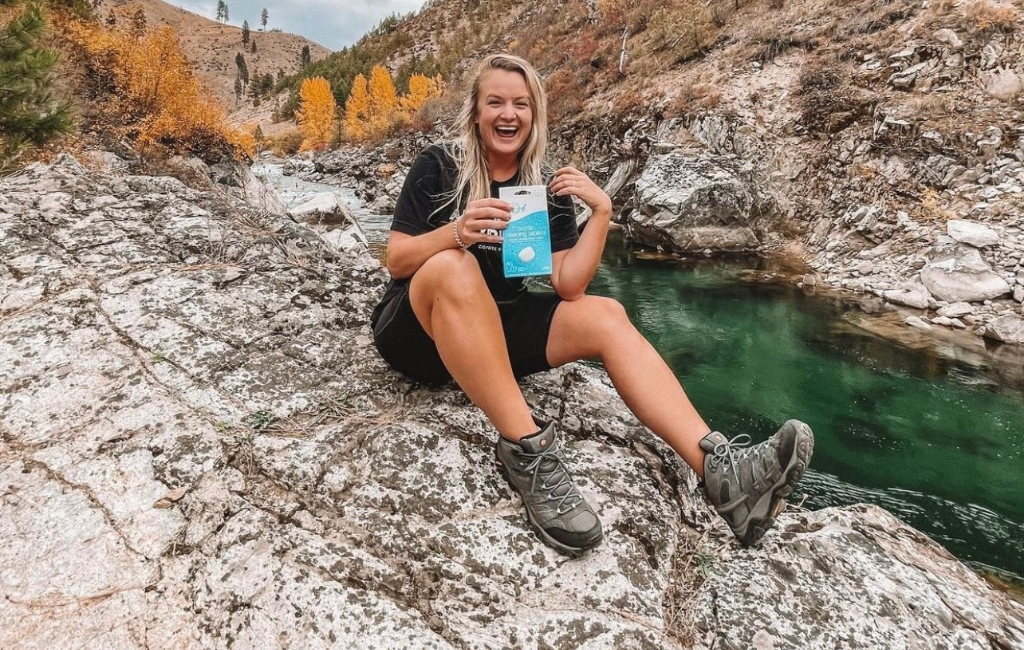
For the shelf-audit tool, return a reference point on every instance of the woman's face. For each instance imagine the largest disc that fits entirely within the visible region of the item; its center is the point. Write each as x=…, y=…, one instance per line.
x=504, y=114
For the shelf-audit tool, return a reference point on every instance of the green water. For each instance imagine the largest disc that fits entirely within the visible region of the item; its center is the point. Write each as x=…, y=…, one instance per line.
x=935, y=441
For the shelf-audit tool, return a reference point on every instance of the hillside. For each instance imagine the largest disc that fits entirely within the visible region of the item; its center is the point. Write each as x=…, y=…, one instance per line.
x=213, y=46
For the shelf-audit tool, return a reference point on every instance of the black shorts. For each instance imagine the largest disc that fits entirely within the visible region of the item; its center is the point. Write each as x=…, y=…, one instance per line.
x=405, y=345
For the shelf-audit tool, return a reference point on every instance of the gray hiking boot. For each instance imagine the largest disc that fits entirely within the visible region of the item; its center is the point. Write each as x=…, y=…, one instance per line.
x=747, y=486
x=557, y=511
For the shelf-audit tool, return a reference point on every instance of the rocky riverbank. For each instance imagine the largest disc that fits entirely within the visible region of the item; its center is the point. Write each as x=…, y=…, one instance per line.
x=200, y=448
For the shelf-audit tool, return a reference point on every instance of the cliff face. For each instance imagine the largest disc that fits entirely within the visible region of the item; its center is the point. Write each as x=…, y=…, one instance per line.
x=199, y=448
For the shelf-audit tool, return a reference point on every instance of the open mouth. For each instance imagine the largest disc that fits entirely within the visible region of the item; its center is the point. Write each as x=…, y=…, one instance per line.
x=507, y=132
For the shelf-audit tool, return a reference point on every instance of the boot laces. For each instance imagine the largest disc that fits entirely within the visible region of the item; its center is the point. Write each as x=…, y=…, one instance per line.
x=556, y=469
x=729, y=451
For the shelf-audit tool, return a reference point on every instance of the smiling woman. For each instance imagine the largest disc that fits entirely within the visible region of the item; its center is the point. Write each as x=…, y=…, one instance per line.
x=451, y=312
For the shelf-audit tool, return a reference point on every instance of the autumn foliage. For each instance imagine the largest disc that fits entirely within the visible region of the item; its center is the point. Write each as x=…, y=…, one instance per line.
x=316, y=115
x=147, y=90
x=374, y=107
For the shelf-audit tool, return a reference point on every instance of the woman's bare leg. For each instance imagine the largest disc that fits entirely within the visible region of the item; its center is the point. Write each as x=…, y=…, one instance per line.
x=452, y=303
x=599, y=327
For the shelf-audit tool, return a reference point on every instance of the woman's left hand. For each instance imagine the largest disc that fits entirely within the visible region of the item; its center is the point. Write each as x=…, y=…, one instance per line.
x=571, y=181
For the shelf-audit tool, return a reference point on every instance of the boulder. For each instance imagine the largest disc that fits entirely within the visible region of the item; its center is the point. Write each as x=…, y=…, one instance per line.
x=690, y=204
x=323, y=208
x=212, y=455
x=915, y=296
x=948, y=37
x=971, y=233
x=956, y=310
x=1008, y=328
x=961, y=275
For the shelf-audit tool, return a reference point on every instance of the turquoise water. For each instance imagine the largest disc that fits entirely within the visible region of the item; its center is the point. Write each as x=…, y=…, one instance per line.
x=936, y=441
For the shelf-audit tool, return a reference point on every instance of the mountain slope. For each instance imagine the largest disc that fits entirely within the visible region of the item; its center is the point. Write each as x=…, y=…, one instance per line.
x=213, y=46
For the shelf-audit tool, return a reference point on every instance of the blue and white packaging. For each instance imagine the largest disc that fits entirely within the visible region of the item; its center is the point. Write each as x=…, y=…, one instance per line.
x=526, y=242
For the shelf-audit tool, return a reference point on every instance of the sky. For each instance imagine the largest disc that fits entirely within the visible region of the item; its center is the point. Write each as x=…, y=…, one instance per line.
x=331, y=23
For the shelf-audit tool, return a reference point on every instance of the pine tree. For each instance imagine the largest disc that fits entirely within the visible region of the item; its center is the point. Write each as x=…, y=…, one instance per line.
x=238, y=88
x=383, y=99
x=304, y=58
x=138, y=21
x=356, y=109
x=243, y=69
x=245, y=31
x=28, y=113
x=253, y=48
x=263, y=19
x=222, y=11
x=316, y=115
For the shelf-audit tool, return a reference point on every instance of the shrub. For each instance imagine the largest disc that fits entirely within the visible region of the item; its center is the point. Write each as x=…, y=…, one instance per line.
x=147, y=90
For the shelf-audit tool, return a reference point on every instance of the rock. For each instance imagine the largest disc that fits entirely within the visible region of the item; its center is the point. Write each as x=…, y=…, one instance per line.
x=1002, y=83
x=1008, y=329
x=915, y=296
x=971, y=232
x=866, y=268
x=942, y=320
x=962, y=275
x=956, y=310
x=809, y=280
x=904, y=79
x=1018, y=293
x=694, y=204
x=915, y=600
x=325, y=208
x=917, y=323
x=333, y=504
x=948, y=37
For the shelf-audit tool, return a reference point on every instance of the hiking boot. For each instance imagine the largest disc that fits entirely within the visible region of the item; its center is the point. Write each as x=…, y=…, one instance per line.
x=747, y=486
x=557, y=511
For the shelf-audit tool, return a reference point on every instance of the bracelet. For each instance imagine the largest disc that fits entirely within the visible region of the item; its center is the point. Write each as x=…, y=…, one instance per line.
x=455, y=231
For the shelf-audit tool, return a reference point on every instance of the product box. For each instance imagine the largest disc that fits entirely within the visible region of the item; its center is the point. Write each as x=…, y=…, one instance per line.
x=526, y=243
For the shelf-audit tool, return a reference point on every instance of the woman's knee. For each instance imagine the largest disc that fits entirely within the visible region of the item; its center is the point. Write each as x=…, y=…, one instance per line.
x=606, y=316
x=452, y=273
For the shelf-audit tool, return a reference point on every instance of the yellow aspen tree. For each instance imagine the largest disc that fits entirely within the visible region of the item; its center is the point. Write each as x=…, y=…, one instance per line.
x=383, y=99
x=357, y=109
x=316, y=112
x=421, y=89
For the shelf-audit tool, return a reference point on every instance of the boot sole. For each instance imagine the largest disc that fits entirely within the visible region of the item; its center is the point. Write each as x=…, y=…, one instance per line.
x=774, y=500
x=564, y=549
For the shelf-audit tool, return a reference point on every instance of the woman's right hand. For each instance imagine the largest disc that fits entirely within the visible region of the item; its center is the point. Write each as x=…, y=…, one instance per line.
x=481, y=219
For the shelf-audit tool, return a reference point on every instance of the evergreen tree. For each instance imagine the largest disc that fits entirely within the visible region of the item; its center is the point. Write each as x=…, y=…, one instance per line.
x=253, y=50
x=222, y=11
x=138, y=21
x=305, y=58
x=28, y=113
x=243, y=69
x=238, y=88
x=263, y=19
x=245, y=31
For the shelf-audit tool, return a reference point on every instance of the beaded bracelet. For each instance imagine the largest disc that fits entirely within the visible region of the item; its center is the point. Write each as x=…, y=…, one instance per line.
x=455, y=231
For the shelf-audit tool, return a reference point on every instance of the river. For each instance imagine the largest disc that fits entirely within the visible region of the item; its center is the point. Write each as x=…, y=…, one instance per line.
x=935, y=438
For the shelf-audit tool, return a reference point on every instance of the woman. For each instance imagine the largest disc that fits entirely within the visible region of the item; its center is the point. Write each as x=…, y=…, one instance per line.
x=450, y=313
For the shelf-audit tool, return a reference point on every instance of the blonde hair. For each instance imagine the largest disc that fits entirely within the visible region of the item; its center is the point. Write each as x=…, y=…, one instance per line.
x=474, y=181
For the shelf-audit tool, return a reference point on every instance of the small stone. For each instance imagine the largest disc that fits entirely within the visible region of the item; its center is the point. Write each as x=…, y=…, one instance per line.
x=948, y=37
x=1018, y=293
x=810, y=280
x=865, y=268
x=971, y=233
x=956, y=310
x=1007, y=329
x=942, y=320
x=958, y=324
x=917, y=323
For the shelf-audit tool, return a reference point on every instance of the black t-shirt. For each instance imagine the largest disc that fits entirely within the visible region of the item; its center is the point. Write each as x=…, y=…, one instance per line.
x=428, y=186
